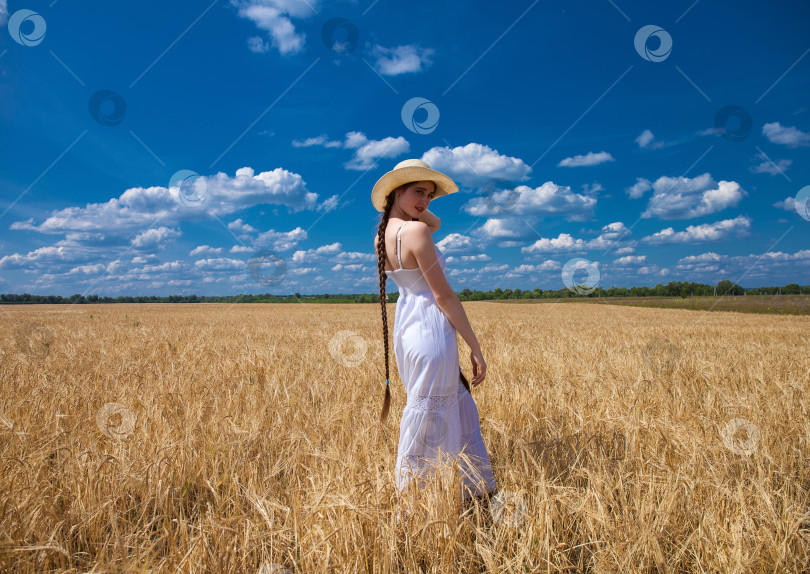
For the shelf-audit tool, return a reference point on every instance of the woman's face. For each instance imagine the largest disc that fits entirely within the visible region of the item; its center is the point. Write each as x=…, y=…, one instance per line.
x=415, y=198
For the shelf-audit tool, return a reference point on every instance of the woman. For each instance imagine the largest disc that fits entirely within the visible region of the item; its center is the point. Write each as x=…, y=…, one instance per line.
x=440, y=419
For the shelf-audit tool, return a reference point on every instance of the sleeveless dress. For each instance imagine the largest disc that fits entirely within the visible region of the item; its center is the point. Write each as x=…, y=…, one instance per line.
x=440, y=419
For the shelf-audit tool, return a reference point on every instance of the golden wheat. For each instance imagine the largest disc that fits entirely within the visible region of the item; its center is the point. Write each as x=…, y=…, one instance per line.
x=245, y=438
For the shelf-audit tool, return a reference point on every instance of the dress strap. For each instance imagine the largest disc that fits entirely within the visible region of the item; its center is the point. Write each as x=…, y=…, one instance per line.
x=399, y=248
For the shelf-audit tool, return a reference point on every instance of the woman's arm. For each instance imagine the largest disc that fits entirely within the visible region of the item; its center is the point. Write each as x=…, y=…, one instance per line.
x=430, y=219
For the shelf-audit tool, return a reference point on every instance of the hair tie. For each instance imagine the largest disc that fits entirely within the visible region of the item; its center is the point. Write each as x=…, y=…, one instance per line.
x=386, y=381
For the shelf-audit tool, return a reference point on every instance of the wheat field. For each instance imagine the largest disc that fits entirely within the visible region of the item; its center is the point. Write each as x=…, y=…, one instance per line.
x=245, y=438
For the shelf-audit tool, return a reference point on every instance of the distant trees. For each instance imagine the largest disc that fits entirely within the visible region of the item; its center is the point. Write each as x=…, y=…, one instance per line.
x=672, y=289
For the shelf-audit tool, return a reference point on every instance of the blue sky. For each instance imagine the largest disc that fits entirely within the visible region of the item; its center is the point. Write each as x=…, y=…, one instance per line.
x=649, y=142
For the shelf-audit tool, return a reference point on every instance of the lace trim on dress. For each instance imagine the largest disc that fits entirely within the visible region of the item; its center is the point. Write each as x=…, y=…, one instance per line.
x=431, y=402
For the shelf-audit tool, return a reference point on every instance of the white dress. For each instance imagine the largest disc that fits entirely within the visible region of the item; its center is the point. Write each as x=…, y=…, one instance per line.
x=440, y=415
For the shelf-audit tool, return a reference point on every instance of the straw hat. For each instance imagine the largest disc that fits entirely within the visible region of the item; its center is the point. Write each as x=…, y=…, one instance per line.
x=407, y=171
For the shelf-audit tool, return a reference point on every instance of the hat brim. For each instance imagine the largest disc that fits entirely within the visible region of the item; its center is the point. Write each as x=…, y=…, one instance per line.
x=396, y=177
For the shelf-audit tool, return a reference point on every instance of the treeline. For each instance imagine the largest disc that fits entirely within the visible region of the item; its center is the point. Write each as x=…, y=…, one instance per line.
x=671, y=289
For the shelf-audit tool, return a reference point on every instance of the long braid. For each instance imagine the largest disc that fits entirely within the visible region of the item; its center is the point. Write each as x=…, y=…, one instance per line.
x=381, y=257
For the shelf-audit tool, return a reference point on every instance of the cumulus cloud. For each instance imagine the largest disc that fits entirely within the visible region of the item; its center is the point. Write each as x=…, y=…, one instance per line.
x=547, y=265
x=683, y=198
x=458, y=243
x=611, y=236
x=548, y=199
x=366, y=151
x=590, y=159
x=504, y=228
x=204, y=250
x=239, y=226
x=717, y=231
x=220, y=264
x=140, y=207
x=783, y=135
x=631, y=260
x=274, y=17
x=156, y=237
x=280, y=240
x=768, y=166
x=401, y=59
x=474, y=165
x=639, y=188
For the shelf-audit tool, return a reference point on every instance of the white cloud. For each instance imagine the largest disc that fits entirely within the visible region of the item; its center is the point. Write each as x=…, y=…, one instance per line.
x=789, y=136
x=156, y=237
x=548, y=199
x=769, y=166
x=683, y=198
x=204, y=250
x=401, y=59
x=220, y=264
x=239, y=226
x=258, y=45
x=646, y=140
x=611, y=236
x=590, y=159
x=474, y=165
x=638, y=189
x=280, y=240
x=366, y=151
x=788, y=204
x=458, y=243
x=717, y=231
x=631, y=260
x=140, y=207
x=273, y=16
x=503, y=228
x=708, y=257
x=322, y=140
x=88, y=269
x=547, y=265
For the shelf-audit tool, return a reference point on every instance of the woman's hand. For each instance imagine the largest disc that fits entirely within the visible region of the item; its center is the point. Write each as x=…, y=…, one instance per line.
x=479, y=367
x=430, y=219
